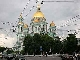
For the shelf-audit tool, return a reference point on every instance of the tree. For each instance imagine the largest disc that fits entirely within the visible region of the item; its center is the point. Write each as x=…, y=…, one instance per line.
x=57, y=46
x=41, y=43
x=70, y=44
x=27, y=43
x=36, y=43
x=9, y=51
x=47, y=43
x=2, y=49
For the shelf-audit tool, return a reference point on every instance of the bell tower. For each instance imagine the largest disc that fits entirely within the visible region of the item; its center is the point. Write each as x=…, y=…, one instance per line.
x=20, y=33
x=20, y=24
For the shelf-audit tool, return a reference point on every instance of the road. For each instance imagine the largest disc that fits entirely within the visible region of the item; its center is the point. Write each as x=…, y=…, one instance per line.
x=41, y=58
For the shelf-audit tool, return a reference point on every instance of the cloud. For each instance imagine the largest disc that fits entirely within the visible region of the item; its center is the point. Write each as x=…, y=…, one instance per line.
x=7, y=41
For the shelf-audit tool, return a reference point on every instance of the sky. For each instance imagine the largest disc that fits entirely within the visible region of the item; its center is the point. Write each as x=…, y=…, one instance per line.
x=58, y=12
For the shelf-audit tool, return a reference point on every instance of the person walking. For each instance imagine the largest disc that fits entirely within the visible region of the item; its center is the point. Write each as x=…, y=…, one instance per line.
x=46, y=54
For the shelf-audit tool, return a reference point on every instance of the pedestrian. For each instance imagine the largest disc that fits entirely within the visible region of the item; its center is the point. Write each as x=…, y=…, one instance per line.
x=46, y=54
x=43, y=54
x=76, y=56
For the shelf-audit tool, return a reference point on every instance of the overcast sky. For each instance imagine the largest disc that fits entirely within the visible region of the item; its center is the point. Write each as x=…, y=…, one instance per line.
x=59, y=12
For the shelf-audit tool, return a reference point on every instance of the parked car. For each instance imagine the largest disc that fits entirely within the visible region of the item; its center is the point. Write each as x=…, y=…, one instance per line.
x=20, y=57
x=10, y=56
x=67, y=57
x=5, y=56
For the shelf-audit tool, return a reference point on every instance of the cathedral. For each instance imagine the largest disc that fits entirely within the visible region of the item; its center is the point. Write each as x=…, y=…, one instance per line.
x=38, y=25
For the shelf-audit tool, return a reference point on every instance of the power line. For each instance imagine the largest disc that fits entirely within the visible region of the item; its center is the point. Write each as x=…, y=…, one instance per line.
x=55, y=1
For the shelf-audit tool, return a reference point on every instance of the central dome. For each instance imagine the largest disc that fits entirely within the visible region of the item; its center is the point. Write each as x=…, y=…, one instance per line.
x=38, y=13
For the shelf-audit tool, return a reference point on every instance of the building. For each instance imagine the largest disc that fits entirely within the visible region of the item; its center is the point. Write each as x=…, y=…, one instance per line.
x=38, y=25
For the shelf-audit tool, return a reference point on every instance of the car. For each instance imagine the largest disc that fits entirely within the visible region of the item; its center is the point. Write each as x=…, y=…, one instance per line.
x=67, y=57
x=10, y=56
x=20, y=57
x=5, y=56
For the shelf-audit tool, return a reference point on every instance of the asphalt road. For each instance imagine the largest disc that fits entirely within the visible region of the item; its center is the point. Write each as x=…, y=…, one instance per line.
x=41, y=58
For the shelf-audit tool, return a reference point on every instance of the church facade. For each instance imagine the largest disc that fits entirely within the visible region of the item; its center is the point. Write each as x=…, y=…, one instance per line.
x=38, y=25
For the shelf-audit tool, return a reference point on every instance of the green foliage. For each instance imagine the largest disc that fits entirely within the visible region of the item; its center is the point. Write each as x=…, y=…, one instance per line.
x=28, y=44
x=32, y=44
x=2, y=49
x=70, y=44
x=9, y=51
x=78, y=48
x=57, y=46
x=17, y=52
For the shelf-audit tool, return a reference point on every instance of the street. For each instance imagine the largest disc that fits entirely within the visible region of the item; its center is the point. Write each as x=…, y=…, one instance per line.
x=43, y=58
x=40, y=58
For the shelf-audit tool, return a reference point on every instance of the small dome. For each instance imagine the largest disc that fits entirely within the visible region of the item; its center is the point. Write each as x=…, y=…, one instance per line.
x=20, y=23
x=36, y=20
x=25, y=26
x=38, y=13
x=52, y=24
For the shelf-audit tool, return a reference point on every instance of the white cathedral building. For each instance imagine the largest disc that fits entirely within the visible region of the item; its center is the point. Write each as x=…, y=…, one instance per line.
x=38, y=25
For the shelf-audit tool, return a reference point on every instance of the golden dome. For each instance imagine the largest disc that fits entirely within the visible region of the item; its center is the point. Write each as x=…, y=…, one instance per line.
x=38, y=13
x=25, y=26
x=20, y=23
x=36, y=20
x=52, y=24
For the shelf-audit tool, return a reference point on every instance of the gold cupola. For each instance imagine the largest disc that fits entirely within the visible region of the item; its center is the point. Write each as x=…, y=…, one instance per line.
x=52, y=24
x=20, y=23
x=36, y=21
x=25, y=26
x=38, y=13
